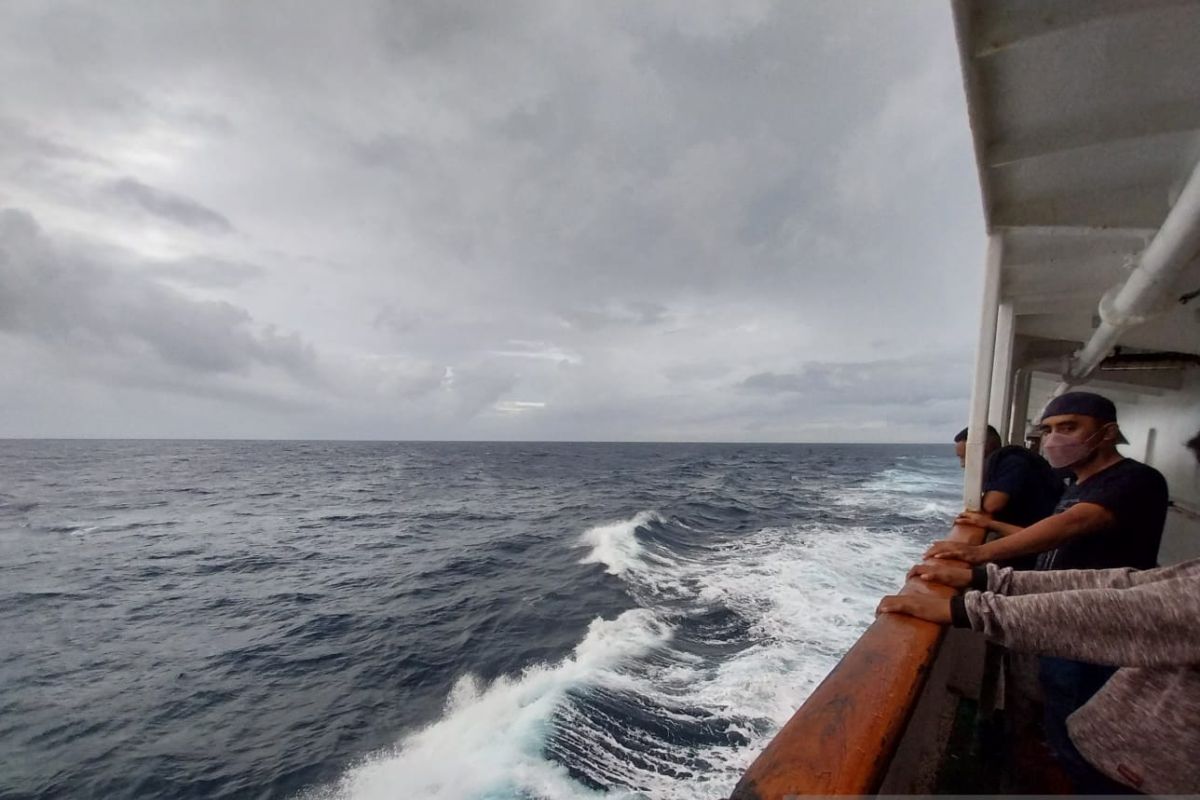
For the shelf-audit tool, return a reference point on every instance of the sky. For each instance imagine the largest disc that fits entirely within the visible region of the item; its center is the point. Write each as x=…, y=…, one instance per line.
x=677, y=220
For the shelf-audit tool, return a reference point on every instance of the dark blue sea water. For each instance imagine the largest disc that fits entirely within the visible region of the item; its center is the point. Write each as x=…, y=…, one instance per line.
x=427, y=620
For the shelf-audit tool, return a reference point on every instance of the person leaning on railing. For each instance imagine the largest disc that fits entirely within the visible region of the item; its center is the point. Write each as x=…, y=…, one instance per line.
x=1019, y=487
x=1141, y=730
x=1112, y=516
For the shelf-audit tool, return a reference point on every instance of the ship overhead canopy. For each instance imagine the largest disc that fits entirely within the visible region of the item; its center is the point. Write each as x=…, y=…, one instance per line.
x=1086, y=121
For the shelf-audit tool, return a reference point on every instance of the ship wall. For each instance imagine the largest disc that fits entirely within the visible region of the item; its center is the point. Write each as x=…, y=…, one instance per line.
x=1157, y=427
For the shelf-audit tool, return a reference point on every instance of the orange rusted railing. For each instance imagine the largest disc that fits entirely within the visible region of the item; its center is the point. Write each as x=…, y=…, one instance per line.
x=841, y=741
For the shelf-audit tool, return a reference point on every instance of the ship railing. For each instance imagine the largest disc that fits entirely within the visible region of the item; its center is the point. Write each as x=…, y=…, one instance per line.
x=879, y=721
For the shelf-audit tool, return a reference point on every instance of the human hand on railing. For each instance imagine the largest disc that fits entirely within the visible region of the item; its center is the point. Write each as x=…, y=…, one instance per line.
x=921, y=606
x=976, y=518
x=970, y=553
x=945, y=574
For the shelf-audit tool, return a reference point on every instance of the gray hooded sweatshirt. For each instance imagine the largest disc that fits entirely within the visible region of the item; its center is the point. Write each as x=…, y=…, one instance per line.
x=1143, y=727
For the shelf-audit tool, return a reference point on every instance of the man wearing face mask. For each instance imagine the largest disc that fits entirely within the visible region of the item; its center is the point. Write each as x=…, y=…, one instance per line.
x=1111, y=516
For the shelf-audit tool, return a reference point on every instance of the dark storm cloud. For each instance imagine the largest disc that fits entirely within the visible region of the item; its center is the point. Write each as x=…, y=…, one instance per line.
x=58, y=295
x=105, y=314
x=167, y=205
x=495, y=220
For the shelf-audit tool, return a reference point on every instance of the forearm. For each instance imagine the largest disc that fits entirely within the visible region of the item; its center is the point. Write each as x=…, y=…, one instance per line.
x=1047, y=534
x=1023, y=542
x=1003, y=529
x=1011, y=582
x=1151, y=625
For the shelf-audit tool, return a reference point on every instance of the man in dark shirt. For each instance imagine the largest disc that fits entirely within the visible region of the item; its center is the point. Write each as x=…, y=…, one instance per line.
x=1019, y=487
x=1136, y=497
x=1111, y=516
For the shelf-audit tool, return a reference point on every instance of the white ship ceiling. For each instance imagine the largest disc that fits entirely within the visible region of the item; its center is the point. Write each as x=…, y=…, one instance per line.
x=1086, y=119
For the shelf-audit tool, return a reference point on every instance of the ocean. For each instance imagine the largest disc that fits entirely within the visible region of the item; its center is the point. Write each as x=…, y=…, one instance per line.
x=362, y=620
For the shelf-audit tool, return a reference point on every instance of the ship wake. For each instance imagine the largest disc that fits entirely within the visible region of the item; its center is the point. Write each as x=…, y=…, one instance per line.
x=673, y=698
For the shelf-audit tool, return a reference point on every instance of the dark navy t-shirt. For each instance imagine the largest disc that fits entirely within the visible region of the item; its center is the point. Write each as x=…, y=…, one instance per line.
x=1136, y=495
x=1032, y=488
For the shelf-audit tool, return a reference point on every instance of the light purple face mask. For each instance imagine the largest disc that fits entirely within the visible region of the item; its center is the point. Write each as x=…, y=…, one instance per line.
x=1063, y=450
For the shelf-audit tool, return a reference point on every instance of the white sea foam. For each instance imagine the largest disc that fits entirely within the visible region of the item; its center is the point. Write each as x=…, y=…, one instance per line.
x=901, y=480
x=908, y=492
x=806, y=594
x=488, y=743
x=615, y=544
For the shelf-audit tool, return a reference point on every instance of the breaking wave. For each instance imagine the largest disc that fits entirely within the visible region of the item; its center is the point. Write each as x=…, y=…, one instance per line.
x=489, y=741
x=672, y=699
x=616, y=546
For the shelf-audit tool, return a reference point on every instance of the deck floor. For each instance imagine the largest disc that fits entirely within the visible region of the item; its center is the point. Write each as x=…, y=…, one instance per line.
x=1004, y=751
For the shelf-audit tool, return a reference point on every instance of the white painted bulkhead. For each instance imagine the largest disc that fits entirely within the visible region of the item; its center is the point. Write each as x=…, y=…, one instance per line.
x=1157, y=427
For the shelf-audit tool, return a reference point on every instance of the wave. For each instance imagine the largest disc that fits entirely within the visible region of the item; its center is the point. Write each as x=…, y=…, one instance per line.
x=673, y=699
x=16, y=504
x=616, y=546
x=84, y=530
x=670, y=700
x=804, y=595
x=74, y=530
x=747, y=581
x=912, y=493
x=489, y=740
x=913, y=480
x=759, y=622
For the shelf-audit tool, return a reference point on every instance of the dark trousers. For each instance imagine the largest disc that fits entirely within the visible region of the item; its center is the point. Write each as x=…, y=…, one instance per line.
x=1066, y=686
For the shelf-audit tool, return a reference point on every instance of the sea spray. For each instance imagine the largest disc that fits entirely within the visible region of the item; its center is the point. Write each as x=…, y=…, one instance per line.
x=615, y=544
x=488, y=743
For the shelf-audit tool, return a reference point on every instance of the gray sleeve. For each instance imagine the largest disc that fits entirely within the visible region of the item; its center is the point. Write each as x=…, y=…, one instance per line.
x=1008, y=581
x=1153, y=624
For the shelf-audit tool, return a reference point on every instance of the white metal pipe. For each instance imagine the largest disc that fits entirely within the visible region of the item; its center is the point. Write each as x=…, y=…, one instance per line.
x=1002, y=368
x=985, y=351
x=1019, y=412
x=1142, y=294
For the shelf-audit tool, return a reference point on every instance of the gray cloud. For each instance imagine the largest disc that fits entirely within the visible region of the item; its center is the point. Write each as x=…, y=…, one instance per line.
x=635, y=312
x=167, y=205
x=62, y=297
x=107, y=316
x=15, y=138
x=899, y=382
x=462, y=220
x=209, y=272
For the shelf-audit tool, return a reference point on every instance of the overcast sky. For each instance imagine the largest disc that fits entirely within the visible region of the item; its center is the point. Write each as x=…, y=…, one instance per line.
x=656, y=220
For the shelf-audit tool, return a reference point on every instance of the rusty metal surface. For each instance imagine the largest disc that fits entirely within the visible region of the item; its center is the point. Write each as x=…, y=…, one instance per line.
x=843, y=737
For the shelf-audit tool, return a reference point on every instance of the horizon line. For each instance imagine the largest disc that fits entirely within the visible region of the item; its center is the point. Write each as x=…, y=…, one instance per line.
x=429, y=441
